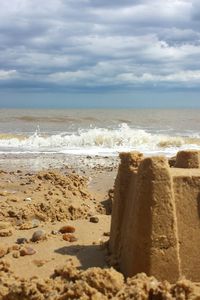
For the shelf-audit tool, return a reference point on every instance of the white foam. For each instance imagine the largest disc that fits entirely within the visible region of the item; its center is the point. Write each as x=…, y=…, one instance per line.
x=98, y=141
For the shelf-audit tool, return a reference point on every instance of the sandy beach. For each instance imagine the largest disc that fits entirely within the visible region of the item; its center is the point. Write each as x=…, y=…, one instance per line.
x=54, y=228
x=44, y=202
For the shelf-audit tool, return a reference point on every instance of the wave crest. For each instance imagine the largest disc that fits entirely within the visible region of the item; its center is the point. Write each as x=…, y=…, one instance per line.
x=122, y=138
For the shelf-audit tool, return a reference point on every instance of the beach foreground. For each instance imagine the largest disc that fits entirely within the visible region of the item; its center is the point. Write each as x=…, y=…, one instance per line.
x=54, y=228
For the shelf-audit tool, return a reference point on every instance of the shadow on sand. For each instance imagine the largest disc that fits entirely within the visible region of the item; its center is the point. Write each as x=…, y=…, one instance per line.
x=88, y=255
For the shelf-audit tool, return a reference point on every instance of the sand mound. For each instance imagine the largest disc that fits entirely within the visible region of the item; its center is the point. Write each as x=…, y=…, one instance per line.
x=94, y=283
x=45, y=196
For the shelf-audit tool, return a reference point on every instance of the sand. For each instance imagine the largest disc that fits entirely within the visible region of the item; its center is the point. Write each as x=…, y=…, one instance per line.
x=74, y=264
x=155, y=217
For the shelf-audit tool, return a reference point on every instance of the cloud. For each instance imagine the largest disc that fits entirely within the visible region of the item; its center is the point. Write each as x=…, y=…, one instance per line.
x=4, y=75
x=188, y=78
x=61, y=45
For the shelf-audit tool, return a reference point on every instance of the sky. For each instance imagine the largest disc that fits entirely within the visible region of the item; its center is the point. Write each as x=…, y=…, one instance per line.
x=84, y=53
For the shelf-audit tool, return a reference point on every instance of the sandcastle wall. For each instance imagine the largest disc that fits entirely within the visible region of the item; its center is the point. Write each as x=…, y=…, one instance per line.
x=155, y=224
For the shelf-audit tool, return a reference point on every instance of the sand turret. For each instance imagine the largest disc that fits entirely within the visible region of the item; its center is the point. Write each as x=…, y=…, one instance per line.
x=155, y=224
x=188, y=159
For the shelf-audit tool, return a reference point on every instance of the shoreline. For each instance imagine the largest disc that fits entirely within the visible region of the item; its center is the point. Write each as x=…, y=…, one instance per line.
x=37, y=162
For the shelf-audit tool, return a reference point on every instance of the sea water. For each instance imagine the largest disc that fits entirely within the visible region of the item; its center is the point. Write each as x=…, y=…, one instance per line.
x=99, y=131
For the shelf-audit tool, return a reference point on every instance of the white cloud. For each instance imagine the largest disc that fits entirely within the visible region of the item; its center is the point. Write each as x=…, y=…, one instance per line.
x=180, y=77
x=4, y=75
x=100, y=43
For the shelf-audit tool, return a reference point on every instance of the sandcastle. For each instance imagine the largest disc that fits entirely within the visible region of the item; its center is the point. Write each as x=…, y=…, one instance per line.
x=155, y=224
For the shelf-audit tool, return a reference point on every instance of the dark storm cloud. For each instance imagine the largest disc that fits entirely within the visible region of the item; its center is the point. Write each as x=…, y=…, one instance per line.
x=84, y=44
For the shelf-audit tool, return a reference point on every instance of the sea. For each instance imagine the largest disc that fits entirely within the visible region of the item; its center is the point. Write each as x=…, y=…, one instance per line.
x=98, y=132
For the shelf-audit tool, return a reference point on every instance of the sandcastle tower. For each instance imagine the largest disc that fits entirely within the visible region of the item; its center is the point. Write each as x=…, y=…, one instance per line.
x=155, y=224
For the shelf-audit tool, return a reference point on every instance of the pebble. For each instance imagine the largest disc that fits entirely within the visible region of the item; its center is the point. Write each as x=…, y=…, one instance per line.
x=94, y=219
x=67, y=229
x=22, y=241
x=69, y=237
x=28, y=199
x=38, y=235
x=27, y=251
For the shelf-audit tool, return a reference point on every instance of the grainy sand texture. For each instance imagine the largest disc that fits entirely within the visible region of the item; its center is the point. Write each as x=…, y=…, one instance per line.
x=55, y=230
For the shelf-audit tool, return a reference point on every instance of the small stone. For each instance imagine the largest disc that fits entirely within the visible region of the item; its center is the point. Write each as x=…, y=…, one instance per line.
x=22, y=241
x=27, y=251
x=67, y=229
x=6, y=232
x=94, y=219
x=69, y=237
x=28, y=199
x=38, y=235
x=16, y=254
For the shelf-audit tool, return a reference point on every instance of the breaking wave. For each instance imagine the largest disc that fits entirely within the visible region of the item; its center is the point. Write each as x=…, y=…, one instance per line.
x=97, y=140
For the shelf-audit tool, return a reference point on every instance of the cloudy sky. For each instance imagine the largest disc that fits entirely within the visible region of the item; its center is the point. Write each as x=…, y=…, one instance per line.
x=73, y=52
